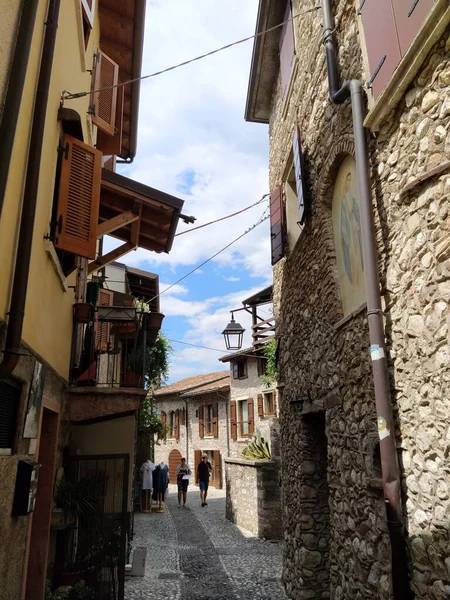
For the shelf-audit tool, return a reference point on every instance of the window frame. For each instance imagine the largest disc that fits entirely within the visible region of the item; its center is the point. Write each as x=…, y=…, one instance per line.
x=272, y=412
x=208, y=420
x=240, y=419
x=240, y=369
x=171, y=434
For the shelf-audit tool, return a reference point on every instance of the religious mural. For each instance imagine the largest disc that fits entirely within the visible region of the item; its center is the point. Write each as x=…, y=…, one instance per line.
x=347, y=236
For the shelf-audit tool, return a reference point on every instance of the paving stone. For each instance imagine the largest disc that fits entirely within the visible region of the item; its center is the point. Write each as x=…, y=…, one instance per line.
x=194, y=553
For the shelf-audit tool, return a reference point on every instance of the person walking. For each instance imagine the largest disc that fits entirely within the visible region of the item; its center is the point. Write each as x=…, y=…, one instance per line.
x=203, y=471
x=183, y=473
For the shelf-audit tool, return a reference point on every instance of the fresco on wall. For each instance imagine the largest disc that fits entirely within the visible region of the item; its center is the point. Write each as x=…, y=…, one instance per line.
x=347, y=236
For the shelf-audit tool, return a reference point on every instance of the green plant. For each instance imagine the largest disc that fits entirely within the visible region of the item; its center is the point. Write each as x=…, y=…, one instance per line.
x=75, y=498
x=257, y=448
x=270, y=375
x=156, y=361
x=149, y=423
x=80, y=591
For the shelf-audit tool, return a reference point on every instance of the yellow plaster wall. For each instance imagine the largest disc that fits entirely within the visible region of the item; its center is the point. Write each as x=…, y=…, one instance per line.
x=116, y=436
x=48, y=311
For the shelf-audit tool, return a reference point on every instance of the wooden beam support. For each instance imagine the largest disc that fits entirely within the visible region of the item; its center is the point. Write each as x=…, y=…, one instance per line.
x=117, y=222
x=136, y=228
x=101, y=262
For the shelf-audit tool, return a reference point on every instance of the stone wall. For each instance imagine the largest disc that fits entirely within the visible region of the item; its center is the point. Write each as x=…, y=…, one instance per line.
x=253, y=496
x=331, y=354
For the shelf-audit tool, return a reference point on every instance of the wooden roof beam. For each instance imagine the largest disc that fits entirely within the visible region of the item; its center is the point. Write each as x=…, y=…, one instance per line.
x=110, y=257
x=116, y=222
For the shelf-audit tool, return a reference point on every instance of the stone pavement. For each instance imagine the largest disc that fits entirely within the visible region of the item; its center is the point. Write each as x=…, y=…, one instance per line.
x=194, y=553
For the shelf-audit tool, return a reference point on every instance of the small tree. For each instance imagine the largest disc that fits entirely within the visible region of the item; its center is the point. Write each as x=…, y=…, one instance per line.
x=269, y=377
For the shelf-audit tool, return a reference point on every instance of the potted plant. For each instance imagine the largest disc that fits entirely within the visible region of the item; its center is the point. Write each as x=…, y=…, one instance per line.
x=153, y=320
x=83, y=312
x=73, y=499
x=134, y=364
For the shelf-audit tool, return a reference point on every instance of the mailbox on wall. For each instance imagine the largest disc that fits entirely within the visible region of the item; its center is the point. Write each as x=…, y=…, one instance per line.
x=26, y=487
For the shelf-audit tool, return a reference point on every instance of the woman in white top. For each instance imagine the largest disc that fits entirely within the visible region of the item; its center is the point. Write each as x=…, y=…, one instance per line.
x=183, y=473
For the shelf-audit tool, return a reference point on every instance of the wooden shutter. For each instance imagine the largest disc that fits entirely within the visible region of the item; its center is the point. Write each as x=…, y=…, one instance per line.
x=409, y=18
x=235, y=370
x=383, y=49
x=201, y=422
x=163, y=417
x=103, y=329
x=287, y=50
x=217, y=470
x=251, y=416
x=111, y=145
x=197, y=459
x=177, y=424
x=215, y=422
x=233, y=419
x=88, y=7
x=277, y=224
x=78, y=198
x=109, y=163
x=182, y=416
x=103, y=103
x=299, y=175
x=9, y=403
x=275, y=408
x=260, y=405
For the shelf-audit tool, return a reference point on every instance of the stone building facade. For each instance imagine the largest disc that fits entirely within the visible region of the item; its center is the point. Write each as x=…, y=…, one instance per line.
x=335, y=531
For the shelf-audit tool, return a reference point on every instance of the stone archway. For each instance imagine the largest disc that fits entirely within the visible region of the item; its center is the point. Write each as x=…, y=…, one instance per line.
x=174, y=461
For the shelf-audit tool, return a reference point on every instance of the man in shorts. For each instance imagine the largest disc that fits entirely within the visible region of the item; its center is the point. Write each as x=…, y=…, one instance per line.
x=203, y=471
x=183, y=472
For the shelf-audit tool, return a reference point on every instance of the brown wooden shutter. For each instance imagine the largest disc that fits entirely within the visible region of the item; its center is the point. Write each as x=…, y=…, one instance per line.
x=233, y=419
x=299, y=175
x=201, y=422
x=275, y=408
x=103, y=331
x=197, y=459
x=235, y=370
x=409, y=18
x=103, y=102
x=217, y=470
x=287, y=50
x=78, y=198
x=182, y=416
x=109, y=163
x=260, y=405
x=111, y=145
x=251, y=416
x=216, y=420
x=276, y=225
x=177, y=424
x=383, y=49
x=163, y=417
x=88, y=7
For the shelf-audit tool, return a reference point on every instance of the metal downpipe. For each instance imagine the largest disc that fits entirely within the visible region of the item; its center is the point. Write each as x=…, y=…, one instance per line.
x=14, y=92
x=352, y=90
x=22, y=267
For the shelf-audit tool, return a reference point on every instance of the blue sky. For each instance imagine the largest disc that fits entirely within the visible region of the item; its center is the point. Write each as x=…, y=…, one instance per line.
x=194, y=143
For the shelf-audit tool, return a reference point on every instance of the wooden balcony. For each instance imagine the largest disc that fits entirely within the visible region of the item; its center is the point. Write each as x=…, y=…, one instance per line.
x=262, y=332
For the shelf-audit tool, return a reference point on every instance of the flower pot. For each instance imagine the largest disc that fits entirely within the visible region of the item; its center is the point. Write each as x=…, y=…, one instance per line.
x=154, y=320
x=83, y=312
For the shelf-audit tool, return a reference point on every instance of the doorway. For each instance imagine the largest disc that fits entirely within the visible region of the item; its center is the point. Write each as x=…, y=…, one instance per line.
x=174, y=461
x=41, y=518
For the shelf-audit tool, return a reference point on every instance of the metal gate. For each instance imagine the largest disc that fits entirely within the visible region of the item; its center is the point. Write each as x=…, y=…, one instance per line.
x=96, y=543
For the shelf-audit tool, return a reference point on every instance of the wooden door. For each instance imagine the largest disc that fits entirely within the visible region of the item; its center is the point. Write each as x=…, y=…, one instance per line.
x=217, y=468
x=174, y=461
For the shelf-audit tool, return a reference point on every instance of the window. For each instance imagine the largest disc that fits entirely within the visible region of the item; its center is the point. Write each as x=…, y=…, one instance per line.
x=9, y=402
x=245, y=423
x=208, y=420
x=240, y=369
x=267, y=404
x=287, y=50
x=261, y=365
x=209, y=416
x=174, y=424
x=74, y=227
x=390, y=26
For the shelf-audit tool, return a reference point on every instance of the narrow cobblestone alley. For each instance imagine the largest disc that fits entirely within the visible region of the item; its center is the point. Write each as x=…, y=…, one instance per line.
x=194, y=553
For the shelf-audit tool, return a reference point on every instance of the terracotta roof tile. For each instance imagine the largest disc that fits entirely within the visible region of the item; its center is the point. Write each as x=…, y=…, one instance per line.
x=203, y=383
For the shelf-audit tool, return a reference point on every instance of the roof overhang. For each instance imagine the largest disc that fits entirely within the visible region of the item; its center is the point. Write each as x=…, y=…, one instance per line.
x=122, y=39
x=137, y=214
x=245, y=352
x=265, y=61
x=262, y=297
x=145, y=286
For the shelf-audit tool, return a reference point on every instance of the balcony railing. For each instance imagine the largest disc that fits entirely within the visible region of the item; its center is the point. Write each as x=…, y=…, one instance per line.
x=109, y=349
x=262, y=332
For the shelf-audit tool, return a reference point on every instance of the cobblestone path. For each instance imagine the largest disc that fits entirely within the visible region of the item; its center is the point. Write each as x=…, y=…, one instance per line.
x=194, y=553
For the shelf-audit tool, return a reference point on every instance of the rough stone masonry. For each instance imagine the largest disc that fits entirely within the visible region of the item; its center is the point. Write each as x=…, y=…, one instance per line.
x=335, y=534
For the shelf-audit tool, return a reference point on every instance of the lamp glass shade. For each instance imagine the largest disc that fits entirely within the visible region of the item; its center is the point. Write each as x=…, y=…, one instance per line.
x=233, y=334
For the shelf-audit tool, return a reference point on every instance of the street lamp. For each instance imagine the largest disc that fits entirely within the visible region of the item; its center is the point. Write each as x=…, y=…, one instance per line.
x=233, y=334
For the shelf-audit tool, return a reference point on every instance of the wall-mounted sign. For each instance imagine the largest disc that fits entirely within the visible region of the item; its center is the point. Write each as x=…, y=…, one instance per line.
x=26, y=488
x=30, y=429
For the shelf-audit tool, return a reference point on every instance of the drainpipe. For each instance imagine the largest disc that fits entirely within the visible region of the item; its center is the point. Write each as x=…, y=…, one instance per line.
x=12, y=350
x=13, y=98
x=187, y=431
x=228, y=421
x=352, y=90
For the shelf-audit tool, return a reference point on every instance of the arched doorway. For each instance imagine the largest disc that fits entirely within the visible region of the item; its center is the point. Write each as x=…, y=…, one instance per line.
x=174, y=461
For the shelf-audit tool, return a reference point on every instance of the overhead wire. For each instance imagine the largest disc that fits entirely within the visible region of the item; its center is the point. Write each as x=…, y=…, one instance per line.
x=66, y=95
x=214, y=349
x=208, y=259
x=224, y=218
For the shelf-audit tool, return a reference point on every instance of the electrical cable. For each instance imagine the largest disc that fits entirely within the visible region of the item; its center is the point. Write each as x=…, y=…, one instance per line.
x=207, y=260
x=223, y=218
x=215, y=349
x=66, y=95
